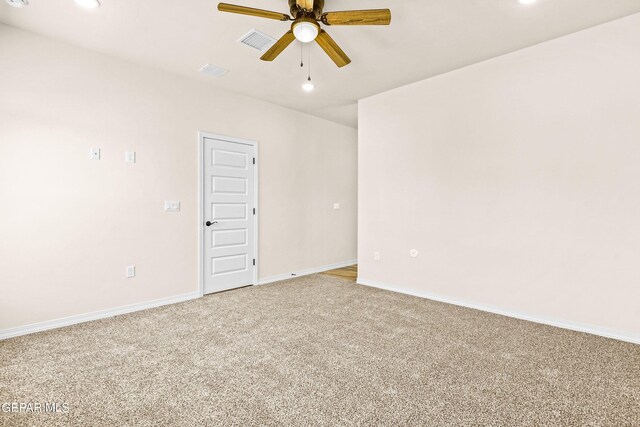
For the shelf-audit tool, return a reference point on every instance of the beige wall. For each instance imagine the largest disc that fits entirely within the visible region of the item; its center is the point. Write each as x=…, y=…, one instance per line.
x=517, y=179
x=69, y=226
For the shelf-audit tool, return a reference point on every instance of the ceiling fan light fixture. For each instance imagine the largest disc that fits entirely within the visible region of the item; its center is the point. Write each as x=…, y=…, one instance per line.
x=305, y=30
x=305, y=27
x=89, y=4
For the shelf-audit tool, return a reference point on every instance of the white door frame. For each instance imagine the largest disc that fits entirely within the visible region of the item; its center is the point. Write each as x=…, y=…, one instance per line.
x=201, y=138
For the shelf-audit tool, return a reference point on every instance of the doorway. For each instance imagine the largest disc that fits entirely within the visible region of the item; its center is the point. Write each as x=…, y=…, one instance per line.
x=228, y=223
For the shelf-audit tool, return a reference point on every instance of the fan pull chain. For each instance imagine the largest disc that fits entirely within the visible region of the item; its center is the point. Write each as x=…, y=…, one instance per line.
x=308, y=86
x=309, y=56
x=301, y=61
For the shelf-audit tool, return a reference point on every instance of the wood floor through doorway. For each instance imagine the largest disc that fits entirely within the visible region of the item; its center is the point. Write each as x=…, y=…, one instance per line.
x=349, y=273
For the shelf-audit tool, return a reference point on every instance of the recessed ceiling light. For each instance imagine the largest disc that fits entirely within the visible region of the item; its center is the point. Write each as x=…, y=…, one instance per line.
x=527, y=1
x=18, y=3
x=308, y=86
x=89, y=4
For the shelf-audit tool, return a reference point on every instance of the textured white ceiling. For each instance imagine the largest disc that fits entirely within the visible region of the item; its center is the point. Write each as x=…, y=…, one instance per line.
x=426, y=38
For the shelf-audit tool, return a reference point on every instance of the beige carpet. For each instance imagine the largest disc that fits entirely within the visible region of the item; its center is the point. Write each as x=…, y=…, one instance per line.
x=323, y=351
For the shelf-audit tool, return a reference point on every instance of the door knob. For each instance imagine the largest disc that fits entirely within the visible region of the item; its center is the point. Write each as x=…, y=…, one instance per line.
x=209, y=223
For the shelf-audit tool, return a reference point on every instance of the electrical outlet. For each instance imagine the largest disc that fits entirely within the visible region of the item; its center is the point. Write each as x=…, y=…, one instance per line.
x=170, y=206
x=130, y=156
x=94, y=154
x=376, y=256
x=131, y=271
x=336, y=206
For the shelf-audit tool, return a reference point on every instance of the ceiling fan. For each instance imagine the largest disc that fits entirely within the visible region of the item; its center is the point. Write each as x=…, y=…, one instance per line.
x=307, y=15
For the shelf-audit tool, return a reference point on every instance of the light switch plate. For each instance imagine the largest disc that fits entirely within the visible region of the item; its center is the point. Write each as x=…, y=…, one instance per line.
x=94, y=154
x=171, y=206
x=131, y=271
x=130, y=156
x=336, y=206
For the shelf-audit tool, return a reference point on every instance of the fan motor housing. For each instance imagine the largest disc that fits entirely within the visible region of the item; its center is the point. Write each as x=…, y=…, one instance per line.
x=298, y=12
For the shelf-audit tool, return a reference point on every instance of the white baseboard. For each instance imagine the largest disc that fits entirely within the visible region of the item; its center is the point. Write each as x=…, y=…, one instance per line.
x=306, y=272
x=589, y=329
x=80, y=318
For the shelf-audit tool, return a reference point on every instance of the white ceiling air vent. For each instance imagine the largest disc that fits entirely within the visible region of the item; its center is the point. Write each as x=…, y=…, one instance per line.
x=257, y=40
x=213, y=70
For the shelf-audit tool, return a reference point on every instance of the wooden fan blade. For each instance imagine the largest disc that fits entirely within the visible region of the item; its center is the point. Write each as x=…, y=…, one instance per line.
x=232, y=8
x=305, y=4
x=358, y=17
x=332, y=49
x=279, y=46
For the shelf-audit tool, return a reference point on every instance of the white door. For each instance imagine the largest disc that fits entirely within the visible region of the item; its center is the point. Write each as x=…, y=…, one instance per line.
x=229, y=211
